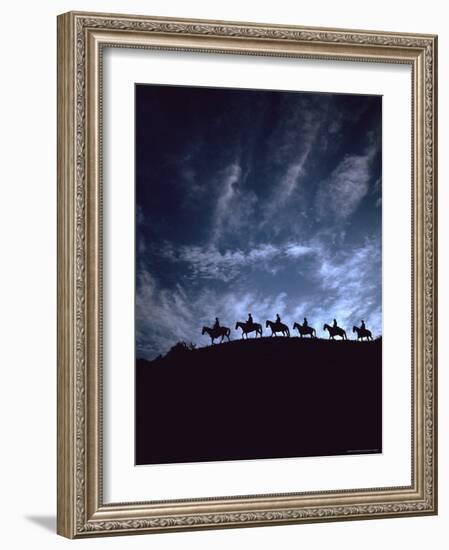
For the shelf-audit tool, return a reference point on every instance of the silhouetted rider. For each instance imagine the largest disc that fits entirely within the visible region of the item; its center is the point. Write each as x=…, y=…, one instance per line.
x=306, y=323
x=250, y=319
x=217, y=324
x=335, y=323
x=278, y=319
x=363, y=325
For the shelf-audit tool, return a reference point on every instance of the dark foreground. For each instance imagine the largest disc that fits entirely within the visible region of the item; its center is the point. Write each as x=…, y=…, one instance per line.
x=266, y=398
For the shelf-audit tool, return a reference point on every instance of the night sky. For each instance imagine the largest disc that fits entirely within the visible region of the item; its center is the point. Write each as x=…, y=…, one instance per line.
x=255, y=201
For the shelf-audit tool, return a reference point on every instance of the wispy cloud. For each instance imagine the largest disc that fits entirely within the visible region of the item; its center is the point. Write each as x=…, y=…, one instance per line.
x=163, y=317
x=296, y=250
x=209, y=262
x=347, y=185
x=228, y=190
x=349, y=285
x=300, y=132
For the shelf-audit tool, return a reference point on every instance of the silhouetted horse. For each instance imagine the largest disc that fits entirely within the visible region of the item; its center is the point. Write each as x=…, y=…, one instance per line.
x=278, y=327
x=247, y=328
x=335, y=331
x=305, y=330
x=217, y=332
x=362, y=333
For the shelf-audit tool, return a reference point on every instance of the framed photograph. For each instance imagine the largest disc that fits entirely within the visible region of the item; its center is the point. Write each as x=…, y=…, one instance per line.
x=246, y=274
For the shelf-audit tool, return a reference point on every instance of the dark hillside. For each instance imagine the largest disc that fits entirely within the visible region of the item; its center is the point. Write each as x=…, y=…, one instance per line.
x=264, y=398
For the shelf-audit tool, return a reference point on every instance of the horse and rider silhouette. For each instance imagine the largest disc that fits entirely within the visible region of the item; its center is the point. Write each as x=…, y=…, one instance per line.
x=249, y=326
x=305, y=329
x=334, y=330
x=362, y=332
x=278, y=327
x=216, y=331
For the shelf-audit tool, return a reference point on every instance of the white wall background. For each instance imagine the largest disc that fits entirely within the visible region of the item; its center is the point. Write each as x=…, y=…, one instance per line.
x=28, y=271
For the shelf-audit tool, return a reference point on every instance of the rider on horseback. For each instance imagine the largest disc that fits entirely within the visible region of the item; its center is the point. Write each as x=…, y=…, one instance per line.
x=334, y=325
x=362, y=331
x=278, y=319
x=306, y=323
x=250, y=321
x=216, y=324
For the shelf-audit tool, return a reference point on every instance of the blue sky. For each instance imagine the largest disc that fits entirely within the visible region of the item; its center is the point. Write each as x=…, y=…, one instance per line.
x=255, y=201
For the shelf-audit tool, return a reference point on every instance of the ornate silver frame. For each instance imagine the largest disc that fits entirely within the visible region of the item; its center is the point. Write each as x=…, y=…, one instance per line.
x=81, y=510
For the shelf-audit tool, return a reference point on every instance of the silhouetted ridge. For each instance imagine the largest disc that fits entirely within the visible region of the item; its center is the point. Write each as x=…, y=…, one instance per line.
x=259, y=398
